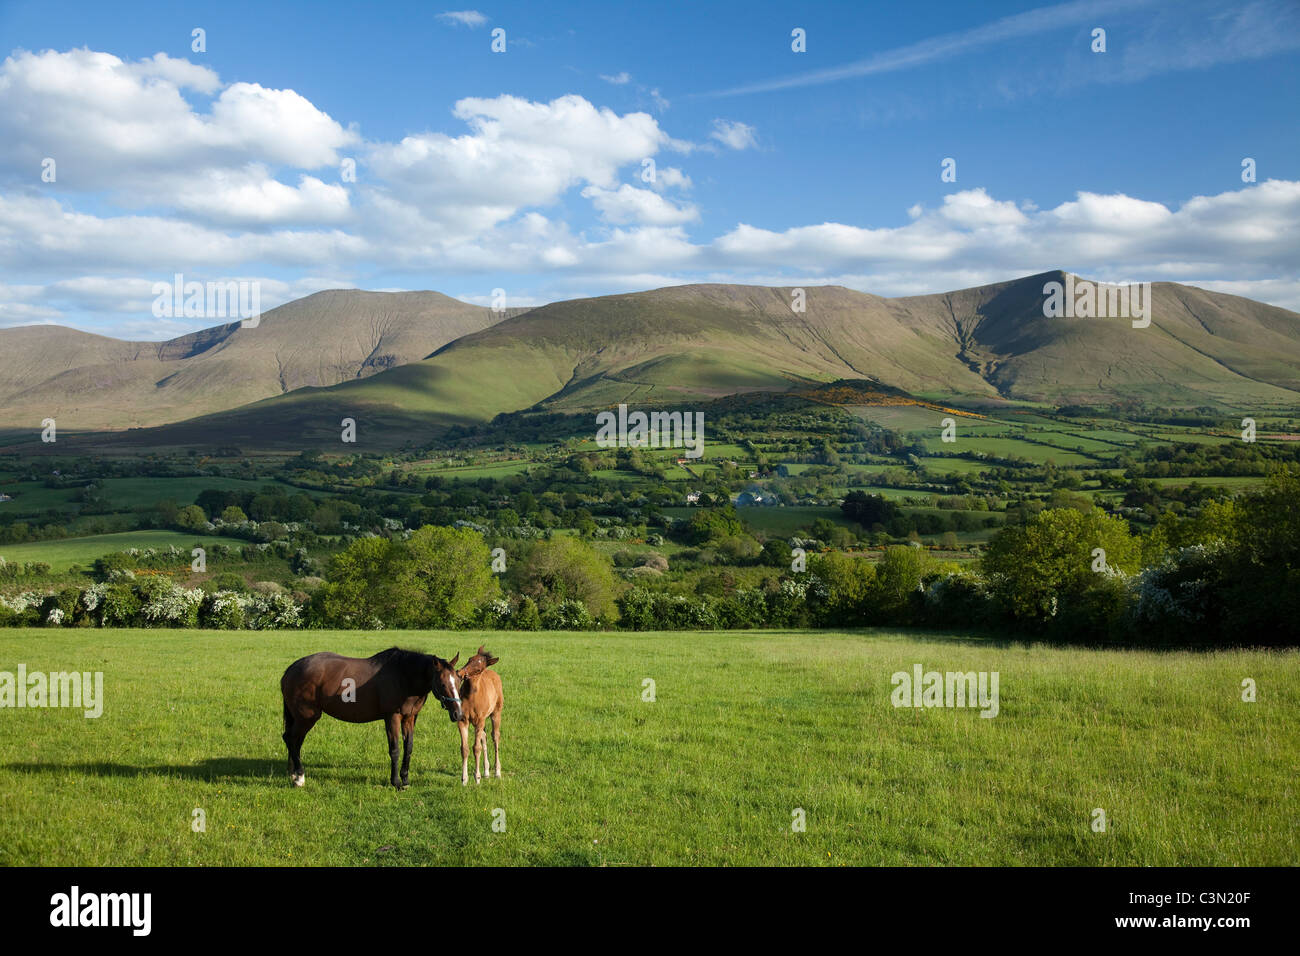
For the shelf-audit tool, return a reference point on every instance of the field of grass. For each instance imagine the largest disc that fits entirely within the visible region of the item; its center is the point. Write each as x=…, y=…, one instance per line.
x=62, y=553
x=745, y=729
x=786, y=521
x=140, y=492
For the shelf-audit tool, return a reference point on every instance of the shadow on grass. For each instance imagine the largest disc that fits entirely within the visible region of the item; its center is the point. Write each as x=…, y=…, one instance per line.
x=212, y=769
x=230, y=768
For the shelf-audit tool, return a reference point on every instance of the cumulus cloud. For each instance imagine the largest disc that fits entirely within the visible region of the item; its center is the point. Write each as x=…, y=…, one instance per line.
x=127, y=129
x=628, y=204
x=517, y=154
x=246, y=185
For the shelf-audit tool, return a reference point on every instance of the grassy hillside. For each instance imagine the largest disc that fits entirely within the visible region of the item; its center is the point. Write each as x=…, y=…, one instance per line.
x=63, y=553
x=745, y=729
x=688, y=344
x=89, y=381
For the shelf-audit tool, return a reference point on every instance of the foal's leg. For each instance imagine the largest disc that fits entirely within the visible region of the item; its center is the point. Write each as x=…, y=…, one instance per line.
x=408, y=744
x=480, y=749
x=464, y=752
x=496, y=739
x=393, y=727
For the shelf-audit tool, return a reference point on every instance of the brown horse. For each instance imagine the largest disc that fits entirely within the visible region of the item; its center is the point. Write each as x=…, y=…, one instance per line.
x=391, y=686
x=481, y=699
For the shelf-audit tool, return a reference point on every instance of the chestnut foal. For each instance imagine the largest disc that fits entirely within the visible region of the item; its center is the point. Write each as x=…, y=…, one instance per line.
x=480, y=700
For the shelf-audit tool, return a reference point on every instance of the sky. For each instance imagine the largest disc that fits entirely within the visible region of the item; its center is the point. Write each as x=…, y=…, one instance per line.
x=905, y=149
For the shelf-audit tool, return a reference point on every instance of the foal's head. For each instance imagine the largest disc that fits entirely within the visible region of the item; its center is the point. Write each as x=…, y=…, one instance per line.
x=445, y=686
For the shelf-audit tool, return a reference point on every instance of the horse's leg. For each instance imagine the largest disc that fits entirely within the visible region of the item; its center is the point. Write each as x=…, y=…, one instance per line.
x=408, y=743
x=463, y=726
x=480, y=749
x=496, y=738
x=393, y=727
x=296, y=728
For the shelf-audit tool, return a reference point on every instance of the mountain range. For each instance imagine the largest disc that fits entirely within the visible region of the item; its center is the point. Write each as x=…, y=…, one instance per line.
x=403, y=364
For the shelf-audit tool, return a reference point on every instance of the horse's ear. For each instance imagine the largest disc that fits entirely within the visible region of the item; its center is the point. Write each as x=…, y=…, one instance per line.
x=452, y=663
x=492, y=660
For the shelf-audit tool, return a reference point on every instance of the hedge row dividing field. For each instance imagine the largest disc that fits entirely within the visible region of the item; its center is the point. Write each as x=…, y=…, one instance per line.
x=745, y=729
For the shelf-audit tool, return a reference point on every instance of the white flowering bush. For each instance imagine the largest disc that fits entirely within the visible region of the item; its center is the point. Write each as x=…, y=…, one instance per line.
x=495, y=614
x=1179, y=593
x=166, y=604
x=272, y=612
x=93, y=596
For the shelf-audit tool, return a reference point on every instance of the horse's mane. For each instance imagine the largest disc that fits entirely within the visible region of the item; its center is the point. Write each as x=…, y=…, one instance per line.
x=400, y=656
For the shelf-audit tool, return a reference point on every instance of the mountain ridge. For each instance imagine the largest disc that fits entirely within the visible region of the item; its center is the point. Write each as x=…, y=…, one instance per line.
x=678, y=344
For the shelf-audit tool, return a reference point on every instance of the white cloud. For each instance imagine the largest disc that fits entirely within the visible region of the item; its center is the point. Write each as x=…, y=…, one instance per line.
x=464, y=18
x=248, y=187
x=518, y=154
x=628, y=204
x=734, y=135
x=670, y=177
x=618, y=79
x=126, y=129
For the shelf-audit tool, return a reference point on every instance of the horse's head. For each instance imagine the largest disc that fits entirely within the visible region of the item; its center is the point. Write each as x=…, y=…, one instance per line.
x=445, y=685
x=477, y=664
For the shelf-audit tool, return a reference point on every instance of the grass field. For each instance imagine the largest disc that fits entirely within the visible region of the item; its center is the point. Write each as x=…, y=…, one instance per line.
x=745, y=728
x=62, y=553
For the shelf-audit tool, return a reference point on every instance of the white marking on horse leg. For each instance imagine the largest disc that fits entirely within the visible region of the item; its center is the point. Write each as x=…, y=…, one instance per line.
x=297, y=779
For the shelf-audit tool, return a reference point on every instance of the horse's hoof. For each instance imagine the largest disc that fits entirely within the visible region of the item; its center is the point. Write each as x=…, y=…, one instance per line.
x=464, y=782
x=297, y=779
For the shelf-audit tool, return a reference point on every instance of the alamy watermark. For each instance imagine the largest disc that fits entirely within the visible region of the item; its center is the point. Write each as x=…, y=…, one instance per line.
x=234, y=299
x=55, y=689
x=651, y=430
x=923, y=688
x=1085, y=299
x=75, y=908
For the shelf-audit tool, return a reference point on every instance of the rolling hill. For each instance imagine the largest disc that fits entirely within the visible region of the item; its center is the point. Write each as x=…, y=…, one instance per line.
x=87, y=381
x=683, y=344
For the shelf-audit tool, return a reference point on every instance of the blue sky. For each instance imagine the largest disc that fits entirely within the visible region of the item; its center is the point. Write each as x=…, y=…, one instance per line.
x=523, y=170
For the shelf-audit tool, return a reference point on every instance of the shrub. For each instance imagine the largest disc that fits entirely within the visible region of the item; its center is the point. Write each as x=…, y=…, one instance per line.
x=221, y=610
x=273, y=612
x=568, y=614
x=166, y=604
x=120, y=606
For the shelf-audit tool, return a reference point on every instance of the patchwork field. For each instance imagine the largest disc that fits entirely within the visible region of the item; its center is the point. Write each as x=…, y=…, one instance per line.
x=62, y=553
x=745, y=729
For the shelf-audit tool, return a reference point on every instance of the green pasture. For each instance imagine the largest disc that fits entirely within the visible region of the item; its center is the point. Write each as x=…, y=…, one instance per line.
x=745, y=734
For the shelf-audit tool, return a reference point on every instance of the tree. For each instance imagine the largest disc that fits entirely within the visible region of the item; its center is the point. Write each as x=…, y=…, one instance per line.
x=868, y=510
x=713, y=524
x=441, y=576
x=566, y=568
x=898, y=576
x=233, y=515
x=355, y=593
x=191, y=517
x=1052, y=558
x=848, y=581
